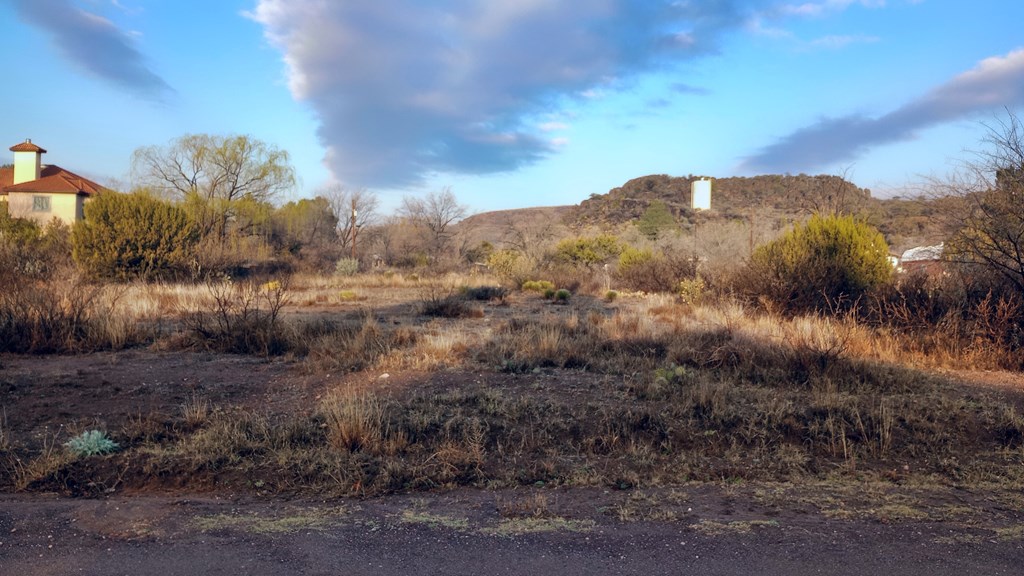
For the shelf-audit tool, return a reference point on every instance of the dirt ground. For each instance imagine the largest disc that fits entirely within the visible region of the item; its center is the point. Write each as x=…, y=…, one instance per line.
x=463, y=532
x=699, y=529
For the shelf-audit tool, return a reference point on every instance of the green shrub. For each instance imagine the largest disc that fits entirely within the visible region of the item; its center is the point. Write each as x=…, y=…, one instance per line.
x=692, y=290
x=588, y=251
x=346, y=267
x=649, y=271
x=511, y=266
x=611, y=296
x=562, y=296
x=91, y=443
x=538, y=286
x=824, y=265
x=133, y=236
x=17, y=231
x=656, y=220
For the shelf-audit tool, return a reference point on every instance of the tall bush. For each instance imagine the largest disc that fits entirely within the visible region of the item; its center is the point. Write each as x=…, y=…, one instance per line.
x=588, y=251
x=649, y=271
x=133, y=236
x=824, y=265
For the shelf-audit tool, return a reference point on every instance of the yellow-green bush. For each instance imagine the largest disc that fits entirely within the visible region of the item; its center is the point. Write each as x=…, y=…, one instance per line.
x=588, y=250
x=649, y=271
x=512, y=267
x=824, y=265
x=538, y=286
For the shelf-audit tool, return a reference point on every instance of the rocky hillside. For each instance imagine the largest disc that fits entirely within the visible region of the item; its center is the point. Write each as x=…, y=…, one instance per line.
x=774, y=201
x=770, y=197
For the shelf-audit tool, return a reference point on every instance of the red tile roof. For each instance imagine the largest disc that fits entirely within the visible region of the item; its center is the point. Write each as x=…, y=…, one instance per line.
x=53, y=180
x=27, y=146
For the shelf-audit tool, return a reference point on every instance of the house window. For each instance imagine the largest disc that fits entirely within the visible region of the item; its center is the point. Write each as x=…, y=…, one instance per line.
x=40, y=203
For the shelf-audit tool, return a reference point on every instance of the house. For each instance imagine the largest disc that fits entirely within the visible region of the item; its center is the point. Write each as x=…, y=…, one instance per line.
x=923, y=259
x=41, y=193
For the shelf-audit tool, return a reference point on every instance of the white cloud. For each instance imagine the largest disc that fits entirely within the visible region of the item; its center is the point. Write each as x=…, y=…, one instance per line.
x=995, y=83
x=553, y=126
x=827, y=6
x=837, y=42
x=403, y=88
x=94, y=44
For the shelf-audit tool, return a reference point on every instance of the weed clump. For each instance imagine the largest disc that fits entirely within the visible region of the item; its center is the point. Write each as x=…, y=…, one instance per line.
x=485, y=293
x=541, y=286
x=91, y=443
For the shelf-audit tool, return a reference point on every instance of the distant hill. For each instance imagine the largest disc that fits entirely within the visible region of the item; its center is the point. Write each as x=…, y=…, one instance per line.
x=775, y=200
x=501, y=227
x=767, y=197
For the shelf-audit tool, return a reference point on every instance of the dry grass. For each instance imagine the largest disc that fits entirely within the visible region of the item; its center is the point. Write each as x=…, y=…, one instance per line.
x=195, y=411
x=673, y=392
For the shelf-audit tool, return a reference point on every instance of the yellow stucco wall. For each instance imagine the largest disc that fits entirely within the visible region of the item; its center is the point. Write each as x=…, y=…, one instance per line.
x=26, y=166
x=67, y=207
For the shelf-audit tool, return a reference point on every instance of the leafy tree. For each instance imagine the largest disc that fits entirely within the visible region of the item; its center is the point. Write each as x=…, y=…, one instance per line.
x=213, y=173
x=306, y=223
x=822, y=265
x=656, y=220
x=133, y=236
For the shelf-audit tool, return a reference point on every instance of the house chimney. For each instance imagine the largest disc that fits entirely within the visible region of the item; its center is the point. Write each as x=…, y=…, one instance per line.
x=27, y=161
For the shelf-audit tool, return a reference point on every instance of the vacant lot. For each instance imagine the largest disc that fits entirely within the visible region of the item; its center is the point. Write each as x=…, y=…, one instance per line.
x=567, y=412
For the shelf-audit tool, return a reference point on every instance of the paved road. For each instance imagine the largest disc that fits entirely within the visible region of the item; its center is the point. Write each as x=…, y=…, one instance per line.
x=170, y=536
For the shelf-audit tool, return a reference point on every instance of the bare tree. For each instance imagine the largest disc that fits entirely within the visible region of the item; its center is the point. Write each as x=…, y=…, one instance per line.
x=531, y=235
x=212, y=173
x=344, y=201
x=832, y=195
x=990, y=221
x=434, y=215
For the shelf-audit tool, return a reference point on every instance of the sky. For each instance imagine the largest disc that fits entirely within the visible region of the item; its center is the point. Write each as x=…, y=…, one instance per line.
x=522, y=102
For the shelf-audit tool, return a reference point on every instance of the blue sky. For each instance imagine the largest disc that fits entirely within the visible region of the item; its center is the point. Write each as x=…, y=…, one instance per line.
x=524, y=103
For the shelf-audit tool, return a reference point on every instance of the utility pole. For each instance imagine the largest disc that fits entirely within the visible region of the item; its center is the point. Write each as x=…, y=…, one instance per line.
x=354, y=228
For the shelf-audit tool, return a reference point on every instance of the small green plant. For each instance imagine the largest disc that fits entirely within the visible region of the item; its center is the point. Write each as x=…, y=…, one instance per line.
x=671, y=375
x=348, y=295
x=346, y=267
x=611, y=296
x=691, y=290
x=541, y=286
x=562, y=296
x=549, y=293
x=91, y=443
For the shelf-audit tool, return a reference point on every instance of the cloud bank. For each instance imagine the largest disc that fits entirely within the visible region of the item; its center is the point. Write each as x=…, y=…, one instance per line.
x=93, y=44
x=994, y=83
x=404, y=89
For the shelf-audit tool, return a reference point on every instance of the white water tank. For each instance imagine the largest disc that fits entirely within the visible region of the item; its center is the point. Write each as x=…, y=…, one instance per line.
x=700, y=194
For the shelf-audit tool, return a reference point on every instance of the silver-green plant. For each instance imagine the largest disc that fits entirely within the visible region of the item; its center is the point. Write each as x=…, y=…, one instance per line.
x=346, y=267
x=90, y=443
